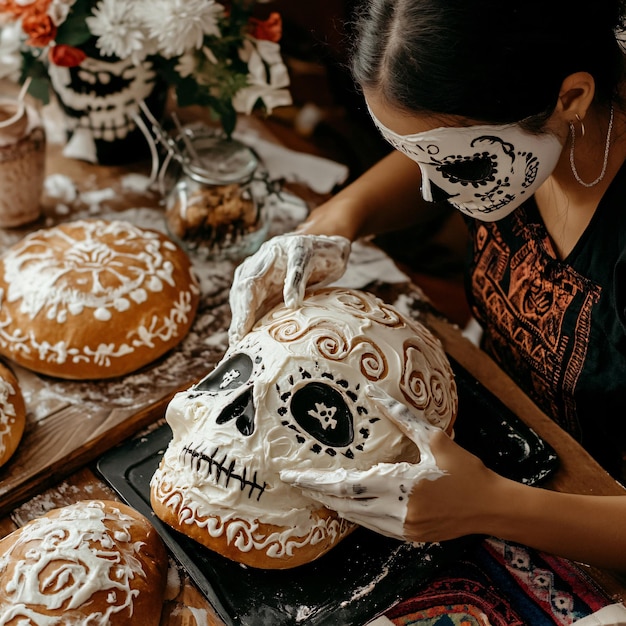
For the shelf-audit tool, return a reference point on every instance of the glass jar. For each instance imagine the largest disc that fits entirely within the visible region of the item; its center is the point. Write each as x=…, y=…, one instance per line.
x=215, y=206
x=22, y=163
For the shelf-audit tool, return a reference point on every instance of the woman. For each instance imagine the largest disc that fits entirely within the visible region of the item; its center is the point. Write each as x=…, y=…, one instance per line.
x=513, y=112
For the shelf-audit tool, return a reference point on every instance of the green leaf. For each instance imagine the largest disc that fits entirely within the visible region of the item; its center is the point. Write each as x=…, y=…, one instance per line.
x=34, y=68
x=40, y=88
x=74, y=31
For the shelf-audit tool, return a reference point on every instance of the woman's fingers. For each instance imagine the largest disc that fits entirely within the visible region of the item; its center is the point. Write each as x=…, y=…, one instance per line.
x=416, y=428
x=285, y=264
x=313, y=260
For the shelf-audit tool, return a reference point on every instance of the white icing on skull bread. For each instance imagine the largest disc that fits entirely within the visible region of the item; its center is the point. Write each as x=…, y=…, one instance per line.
x=94, y=299
x=291, y=395
x=95, y=562
x=12, y=414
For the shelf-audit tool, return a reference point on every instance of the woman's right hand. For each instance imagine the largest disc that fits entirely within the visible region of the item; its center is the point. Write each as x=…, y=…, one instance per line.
x=284, y=265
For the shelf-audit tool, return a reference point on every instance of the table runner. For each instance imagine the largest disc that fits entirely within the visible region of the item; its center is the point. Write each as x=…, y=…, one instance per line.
x=499, y=583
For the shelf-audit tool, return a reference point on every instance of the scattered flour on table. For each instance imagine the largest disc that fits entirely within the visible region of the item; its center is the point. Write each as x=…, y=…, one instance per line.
x=137, y=183
x=303, y=613
x=174, y=583
x=93, y=199
x=60, y=187
x=40, y=504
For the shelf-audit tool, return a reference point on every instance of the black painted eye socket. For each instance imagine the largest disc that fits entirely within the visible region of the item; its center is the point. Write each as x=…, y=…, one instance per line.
x=231, y=374
x=468, y=170
x=322, y=412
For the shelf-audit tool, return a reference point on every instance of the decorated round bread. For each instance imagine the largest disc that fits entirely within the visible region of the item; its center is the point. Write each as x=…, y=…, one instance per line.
x=93, y=562
x=292, y=394
x=94, y=299
x=12, y=414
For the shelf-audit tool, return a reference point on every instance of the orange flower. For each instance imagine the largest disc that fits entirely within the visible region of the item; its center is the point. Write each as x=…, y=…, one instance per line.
x=270, y=29
x=66, y=56
x=40, y=28
x=19, y=10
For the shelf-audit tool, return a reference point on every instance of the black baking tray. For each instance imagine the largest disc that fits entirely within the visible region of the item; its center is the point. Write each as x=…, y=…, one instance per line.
x=366, y=573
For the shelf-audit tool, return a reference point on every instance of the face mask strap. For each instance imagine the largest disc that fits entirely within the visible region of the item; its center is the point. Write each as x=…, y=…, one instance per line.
x=426, y=190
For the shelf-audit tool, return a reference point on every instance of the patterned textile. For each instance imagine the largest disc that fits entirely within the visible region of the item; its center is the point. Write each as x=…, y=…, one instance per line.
x=558, y=327
x=500, y=583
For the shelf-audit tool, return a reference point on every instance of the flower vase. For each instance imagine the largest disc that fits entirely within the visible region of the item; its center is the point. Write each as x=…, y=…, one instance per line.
x=99, y=99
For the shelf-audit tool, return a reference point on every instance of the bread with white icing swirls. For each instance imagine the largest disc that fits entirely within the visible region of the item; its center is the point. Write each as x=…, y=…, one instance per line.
x=94, y=562
x=293, y=394
x=12, y=414
x=93, y=299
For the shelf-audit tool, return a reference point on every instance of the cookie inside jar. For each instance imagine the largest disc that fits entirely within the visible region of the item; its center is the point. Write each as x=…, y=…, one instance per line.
x=215, y=205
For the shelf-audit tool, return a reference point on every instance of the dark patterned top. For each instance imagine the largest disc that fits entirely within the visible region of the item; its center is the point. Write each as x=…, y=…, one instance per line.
x=558, y=328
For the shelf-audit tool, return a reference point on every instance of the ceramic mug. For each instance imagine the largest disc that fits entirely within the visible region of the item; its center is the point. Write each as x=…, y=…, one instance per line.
x=22, y=163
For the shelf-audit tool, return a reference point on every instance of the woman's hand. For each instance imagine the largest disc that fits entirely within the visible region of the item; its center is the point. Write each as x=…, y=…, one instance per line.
x=444, y=495
x=287, y=265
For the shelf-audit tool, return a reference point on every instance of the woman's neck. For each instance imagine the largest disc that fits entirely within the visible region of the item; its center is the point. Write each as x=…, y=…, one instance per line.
x=567, y=206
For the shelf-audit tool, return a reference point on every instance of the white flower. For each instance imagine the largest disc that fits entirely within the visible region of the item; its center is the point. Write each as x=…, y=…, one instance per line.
x=10, y=57
x=263, y=59
x=118, y=33
x=179, y=25
x=186, y=65
x=208, y=53
x=59, y=10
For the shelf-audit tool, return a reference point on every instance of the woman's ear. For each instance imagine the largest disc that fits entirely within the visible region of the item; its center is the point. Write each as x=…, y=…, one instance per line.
x=576, y=95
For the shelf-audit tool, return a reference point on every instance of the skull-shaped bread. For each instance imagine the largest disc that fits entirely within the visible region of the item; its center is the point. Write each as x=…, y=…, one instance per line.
x=291, y=395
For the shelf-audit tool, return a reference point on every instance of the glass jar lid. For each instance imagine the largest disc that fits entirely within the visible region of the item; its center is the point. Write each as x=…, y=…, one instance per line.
x=217, y=160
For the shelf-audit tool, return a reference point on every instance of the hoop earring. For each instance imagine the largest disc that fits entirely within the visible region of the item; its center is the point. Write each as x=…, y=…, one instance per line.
x=607, y=147
x=582, y=126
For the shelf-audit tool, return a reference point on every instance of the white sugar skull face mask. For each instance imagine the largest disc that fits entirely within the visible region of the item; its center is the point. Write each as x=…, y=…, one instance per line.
x=485, y=172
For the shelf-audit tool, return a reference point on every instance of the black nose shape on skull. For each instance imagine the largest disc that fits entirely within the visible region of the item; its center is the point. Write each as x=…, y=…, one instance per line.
x=241, y=410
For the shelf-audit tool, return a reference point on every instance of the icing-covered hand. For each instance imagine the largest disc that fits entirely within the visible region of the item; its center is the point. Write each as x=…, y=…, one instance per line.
x=288, y=264
x=377, y=498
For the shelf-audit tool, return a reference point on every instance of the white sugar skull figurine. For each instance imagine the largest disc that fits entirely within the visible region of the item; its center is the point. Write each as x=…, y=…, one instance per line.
x=291, y=395
x=100, y=101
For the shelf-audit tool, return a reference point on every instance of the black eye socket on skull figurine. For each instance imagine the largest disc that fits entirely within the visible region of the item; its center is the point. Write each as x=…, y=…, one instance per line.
x=322, y=412
x=231, y=374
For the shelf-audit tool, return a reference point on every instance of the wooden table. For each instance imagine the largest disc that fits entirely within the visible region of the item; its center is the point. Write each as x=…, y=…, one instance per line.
x=70, y=424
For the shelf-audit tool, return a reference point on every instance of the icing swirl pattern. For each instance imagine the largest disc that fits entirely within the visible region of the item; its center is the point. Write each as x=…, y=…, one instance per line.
x=82, y=564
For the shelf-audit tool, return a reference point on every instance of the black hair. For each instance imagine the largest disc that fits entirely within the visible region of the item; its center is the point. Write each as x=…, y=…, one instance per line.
x=496, y=61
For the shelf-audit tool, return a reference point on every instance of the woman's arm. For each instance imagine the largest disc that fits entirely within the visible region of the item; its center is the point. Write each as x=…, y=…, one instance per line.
x=451, y=493
x=472, y=499
x=385, y=198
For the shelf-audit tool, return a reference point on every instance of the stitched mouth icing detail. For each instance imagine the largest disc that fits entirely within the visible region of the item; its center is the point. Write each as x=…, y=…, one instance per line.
x=210, y=465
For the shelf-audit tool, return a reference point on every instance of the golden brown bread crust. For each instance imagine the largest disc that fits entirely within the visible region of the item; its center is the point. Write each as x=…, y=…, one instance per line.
x=225, y=545
x=12, y=414
x=128, y=582
x=94, y=299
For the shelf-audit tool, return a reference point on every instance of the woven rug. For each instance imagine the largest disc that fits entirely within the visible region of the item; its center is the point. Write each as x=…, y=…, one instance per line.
x=503, y=584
